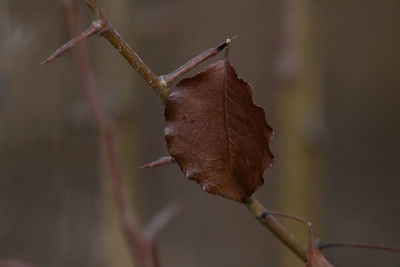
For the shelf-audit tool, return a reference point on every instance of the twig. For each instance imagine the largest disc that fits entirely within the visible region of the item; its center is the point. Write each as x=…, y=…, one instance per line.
x=90, y=87
x=286, y=215
x=156, y=257
x=161, y=83
x=276, y=227
x=156, y=225
x=161, y=220
x=358, y=245
x=171, y=77
x=141, y=246
x=111, y=34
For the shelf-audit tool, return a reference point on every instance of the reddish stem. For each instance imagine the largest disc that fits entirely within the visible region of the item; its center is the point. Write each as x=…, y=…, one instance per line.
x=358, y=245
x=89, y=85
x=171, y=77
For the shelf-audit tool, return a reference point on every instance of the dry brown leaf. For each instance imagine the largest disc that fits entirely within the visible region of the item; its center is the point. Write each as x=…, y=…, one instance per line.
x=217, y=135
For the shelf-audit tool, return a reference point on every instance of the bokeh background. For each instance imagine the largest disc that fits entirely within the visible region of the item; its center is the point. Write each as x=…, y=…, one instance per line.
x=326, y=72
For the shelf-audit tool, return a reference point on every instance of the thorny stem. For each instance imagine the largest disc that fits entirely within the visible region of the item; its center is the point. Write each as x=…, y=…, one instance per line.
x=111, y=34
x=171, y=77
x=160, y=84
x=90, y=87
x=141, y=243
x=160, y=220
x=270, y=222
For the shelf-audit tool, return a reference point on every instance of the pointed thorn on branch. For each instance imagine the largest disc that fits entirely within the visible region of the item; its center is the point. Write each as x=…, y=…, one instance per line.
x=93, y=29
x=171, y=77
x=227, y=42
x=159, y=162
x=227, y=45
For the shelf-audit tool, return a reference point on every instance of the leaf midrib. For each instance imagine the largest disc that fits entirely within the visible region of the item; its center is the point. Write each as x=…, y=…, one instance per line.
x=226, y=126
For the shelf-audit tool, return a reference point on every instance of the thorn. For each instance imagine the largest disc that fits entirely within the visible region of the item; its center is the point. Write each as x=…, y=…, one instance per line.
x=226, y=43
x=67, y=46
x=228, y=40
x=159, y=162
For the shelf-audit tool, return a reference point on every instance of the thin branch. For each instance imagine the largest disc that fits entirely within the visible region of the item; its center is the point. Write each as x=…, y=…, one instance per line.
x=161, y=83
x=156, y=225
x=89, y=85
x=161, y=220
x=286, y=215
x=95, y=8
x=129, y=226
x=141, y=244
x=276, y=227
x=171, y=77
x=156, y=257
x=358, y=245
x=111, y=34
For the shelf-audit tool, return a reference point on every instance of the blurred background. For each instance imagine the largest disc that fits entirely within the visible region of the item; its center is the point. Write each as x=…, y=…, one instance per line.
x=326, y=72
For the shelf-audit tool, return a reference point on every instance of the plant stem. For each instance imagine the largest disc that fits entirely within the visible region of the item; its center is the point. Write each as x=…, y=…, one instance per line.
x=141, y=243
x=358, y=245
x=171, y=77
x=138, y=241
x=89, y=85
x=280, y=231
x=102, y=26
x=111, y=34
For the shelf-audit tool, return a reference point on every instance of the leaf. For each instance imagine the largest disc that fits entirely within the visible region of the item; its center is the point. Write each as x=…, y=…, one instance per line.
x=314, y=257
x=217, y=135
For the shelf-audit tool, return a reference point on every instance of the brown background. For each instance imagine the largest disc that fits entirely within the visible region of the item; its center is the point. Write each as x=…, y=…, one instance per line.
x=337, y=163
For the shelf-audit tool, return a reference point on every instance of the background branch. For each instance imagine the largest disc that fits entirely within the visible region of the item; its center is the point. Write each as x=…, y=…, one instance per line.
x=160, y=220
x=141, y=245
